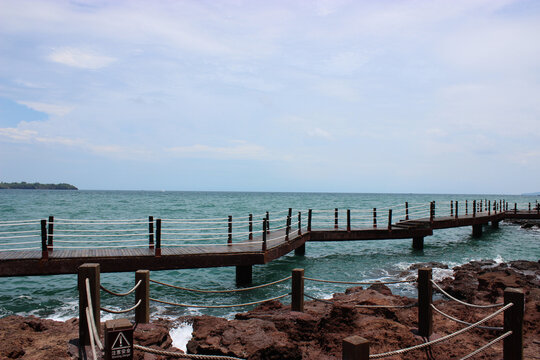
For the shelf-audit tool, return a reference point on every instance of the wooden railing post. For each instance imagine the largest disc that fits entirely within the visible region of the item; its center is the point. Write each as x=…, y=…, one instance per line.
x=336, y=218
x=288, y=228
x=309, y=220
x=250, y=226
x=431, y=212
x=457, y=209
x=142, y=293
x=268, y=222
x=92, y=273
x=513, y=321
x=348, y=219
x=466, y=207
x=425, y=292
x=406, y=210
x=374, y=217
x=389, y=219
x=355, y=348
x=50, y=233
x=515, y=208
x=229, y=237
x=158, y=238
x=150, y=232
x=297, y=296
x=299, y=223
x=489, y=207
x=44, y=250
x=529, y=206
x=264, y=233
x=451, y=207
x=480, y=207
x=474, y=208
x=289, y=220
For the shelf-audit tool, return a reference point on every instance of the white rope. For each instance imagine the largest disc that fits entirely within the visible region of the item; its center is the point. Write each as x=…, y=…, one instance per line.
x=98, y=247
x=231, y=244
x=100, y=242
x=19, y=232
x=197, y=233
x=100, y=220
x=219, y=306
x=464, y=322
x=18, y=243
x=463, y=302
x=359, y=283
x=90, y=334
x=489, y=344
x=121, y=294
x=19, y=249
x=19, y=221
x=103, y=223
x=441, y=339
x=96, y=235
x=91, y=313
x=222, y=291
x=193, y=222
x=196, y=239
x=197, y=228
x=175, y=354
x=60, y=231
x=20, y=224
x=122, y=311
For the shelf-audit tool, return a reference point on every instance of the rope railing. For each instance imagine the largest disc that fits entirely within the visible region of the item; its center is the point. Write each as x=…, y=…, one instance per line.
x=441, y=339
x=122, y=311
x=359, y=283
x=19, y=224
x=121, y=294
x=178, y=355
x=218, y=306
x=221, y=291
x=91, y=323
x=463, y=302
x=495, y=328
x=488, y=345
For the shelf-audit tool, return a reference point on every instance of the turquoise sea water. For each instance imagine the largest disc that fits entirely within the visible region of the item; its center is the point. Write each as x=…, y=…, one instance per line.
x=56, y=296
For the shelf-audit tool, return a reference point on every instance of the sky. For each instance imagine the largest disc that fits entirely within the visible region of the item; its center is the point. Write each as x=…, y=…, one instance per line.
x=326, y=96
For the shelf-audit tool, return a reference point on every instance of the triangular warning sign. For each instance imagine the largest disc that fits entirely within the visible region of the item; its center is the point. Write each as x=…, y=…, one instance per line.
x=120, y=342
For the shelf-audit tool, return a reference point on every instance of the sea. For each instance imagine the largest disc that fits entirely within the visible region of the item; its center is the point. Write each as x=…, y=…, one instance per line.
x=56, y=296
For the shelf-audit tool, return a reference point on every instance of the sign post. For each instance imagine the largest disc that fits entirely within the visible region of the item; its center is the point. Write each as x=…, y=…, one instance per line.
x=118, y=340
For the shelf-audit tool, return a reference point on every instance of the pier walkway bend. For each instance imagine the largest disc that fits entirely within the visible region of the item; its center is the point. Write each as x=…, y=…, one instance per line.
x=60, y=246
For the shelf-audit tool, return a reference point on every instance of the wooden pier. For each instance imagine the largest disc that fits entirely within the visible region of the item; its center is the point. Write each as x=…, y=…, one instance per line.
x=260, y=247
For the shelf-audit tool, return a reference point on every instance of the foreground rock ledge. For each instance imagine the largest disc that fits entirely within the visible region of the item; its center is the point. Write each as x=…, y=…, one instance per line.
x=272, y=331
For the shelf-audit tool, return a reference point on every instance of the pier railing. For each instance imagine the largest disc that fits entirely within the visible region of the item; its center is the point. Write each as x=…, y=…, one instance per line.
x=354, y=348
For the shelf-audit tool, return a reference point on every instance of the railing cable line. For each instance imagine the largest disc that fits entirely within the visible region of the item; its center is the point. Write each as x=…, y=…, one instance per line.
x=486, y=346
x=179, y=355
x=91, y=315
x=218, y=306
x=441, y=339
x=359, y=283
x=222, y=291
x=494, y=328
x=121, y=294
x=122, y=311
x=463, y=302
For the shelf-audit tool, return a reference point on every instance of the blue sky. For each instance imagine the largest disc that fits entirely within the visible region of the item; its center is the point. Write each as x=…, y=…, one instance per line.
x=348, y=96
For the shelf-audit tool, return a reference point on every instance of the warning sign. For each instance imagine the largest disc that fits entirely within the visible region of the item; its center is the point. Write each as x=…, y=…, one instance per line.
x=118, y=340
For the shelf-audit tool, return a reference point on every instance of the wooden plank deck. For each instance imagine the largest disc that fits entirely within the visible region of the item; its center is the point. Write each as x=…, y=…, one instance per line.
x=67, y=261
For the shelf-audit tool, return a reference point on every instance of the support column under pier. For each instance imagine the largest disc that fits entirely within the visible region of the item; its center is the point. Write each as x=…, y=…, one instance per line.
x=301, y=250
x=244, y=275
x=477, y=230
x=495, y=224
x=418, y=243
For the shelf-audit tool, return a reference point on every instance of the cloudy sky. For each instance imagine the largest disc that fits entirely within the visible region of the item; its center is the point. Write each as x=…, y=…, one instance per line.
x=340, y=96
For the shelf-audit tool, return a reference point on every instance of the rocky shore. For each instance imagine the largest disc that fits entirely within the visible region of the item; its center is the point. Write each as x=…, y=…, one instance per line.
x=272, y=331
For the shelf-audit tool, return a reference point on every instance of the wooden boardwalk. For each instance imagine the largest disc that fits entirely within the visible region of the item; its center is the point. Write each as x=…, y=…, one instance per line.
x=243, y=255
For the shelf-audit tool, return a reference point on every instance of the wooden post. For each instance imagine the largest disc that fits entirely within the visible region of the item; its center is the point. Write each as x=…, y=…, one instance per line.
x=355, y=348
x=297, y=296
x=457, y=209
x=374, y=217
x=348, y=219
x=288, y=228
x=425, y=293
x=267, y=222
x=431, y=212
x=299, y=223
x=336, y=218
x=529, y=207
x=244, y=275
x=150, y=232
x=264, y=232
x=389, y=219
x=290, y=217
x=44, y=250
x=480, y=207
x=474, y=208
x=51, y=231
x=513, y=321
x=229, y=238
x=477, y=230
x=250, y=226
x=142, y=293
x=451, y=207
x=489, y=207
x=158, y=238
x=309, y=220
x=466, y=207
x=515, y=208
x=418, y=243
x=91, y=272
x=406, y=210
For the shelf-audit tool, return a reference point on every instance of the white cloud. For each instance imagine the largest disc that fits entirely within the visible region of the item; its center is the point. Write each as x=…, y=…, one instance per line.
x=51, y=109
x=242, y=150
x=79, y=58
x=318, y=132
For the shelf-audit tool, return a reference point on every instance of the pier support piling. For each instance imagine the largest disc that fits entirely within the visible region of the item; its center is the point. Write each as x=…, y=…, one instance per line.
x=477, y=230
x=301, y=250
x=418, y=243
x=244, y=275
x=495, y=224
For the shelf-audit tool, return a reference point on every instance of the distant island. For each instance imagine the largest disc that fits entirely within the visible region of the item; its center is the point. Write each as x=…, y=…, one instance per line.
x=36, y=186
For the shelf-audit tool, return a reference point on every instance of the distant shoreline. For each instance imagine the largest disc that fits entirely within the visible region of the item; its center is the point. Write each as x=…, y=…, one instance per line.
x=36, y=186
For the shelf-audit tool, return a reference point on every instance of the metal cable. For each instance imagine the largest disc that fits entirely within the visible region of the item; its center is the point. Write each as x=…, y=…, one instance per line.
x=182, y=355
x=122, y=311
x=463, y=302
x=489, y=344
x=219, y=306
x=441, y=339
x=222, y=291
x=496, y=328
x=359, y=283
x=121, y=294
